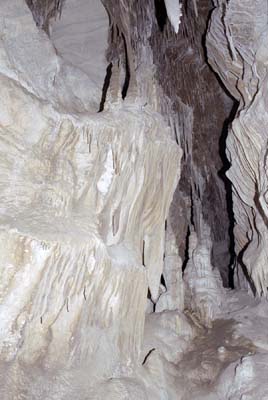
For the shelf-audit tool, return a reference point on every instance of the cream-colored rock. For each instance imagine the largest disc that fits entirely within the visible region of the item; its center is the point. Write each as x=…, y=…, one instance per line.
x=237, y=51
x=172, y=297
x=161, y=379
x=244, y=379
x=204, y=294
x=174, y=13
x=80, y=36
x=29, y=57
x=168, y=332
x=84, y=198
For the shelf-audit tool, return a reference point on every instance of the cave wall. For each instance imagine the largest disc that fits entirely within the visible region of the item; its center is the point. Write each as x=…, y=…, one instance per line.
x=97, y=227
x=237, y=51
x=198, y=109
x=44, y=10
x=84, y=199
x=190, y=98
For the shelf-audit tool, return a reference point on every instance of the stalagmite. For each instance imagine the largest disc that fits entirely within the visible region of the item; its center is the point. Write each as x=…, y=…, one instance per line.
x=204, y=292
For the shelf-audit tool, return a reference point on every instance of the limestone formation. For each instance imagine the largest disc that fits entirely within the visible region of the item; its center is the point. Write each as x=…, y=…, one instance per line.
x=204, y=294
x=82, y=220
x=121, y=237
x=174, y=13
x=238, y=53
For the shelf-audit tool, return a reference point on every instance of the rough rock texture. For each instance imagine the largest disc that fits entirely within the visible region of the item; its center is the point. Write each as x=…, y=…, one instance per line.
x=44, y=10
x=172, y=297
x=140, y=43
x=109, y=288
x=82, y=218
x=237, y=50
x=196, y=110
x=204, y=294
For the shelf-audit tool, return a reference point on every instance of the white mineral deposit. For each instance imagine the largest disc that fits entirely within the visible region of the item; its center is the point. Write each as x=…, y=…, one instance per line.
x=134, y=200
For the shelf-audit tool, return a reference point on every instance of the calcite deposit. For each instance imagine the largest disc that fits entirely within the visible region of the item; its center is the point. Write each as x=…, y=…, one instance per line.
x=133, y=213
x=82, y=216
x=237, y=51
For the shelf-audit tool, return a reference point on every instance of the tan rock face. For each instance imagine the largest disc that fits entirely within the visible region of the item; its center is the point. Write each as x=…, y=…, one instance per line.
x=84, y=198
x=237, y=51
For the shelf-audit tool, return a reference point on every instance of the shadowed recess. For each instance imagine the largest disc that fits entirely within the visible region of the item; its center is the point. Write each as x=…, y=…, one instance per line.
x=160, y=13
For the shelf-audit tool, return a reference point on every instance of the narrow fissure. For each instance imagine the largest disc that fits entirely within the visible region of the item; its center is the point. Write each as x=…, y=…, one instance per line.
x=127, y=71
x=228, y=191
x=106, y=85
x=160, y=13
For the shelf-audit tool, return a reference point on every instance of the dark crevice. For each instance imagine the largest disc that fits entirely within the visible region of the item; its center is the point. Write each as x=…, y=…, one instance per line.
x=160, y=13
x=228, y=191
x=143, y=253
x=127, y=70
x=147, y=355
x=192, y=209
x=186, y=253
x=106, y=85
x=163, y=282
x=225, y=162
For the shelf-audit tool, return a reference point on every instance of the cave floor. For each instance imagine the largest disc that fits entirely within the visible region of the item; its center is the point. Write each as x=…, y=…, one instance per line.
x=211, y=367
x=228, y=361
x=213, y=351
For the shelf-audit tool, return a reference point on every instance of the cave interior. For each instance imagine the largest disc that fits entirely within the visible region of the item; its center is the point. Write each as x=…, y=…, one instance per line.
x=133, y=143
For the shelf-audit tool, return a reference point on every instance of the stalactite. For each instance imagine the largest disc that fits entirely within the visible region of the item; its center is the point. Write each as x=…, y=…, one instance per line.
x=174, y=13
x=44, y=10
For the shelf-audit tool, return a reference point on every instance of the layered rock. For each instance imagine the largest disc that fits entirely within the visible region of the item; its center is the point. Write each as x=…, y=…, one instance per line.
x=237, y=51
